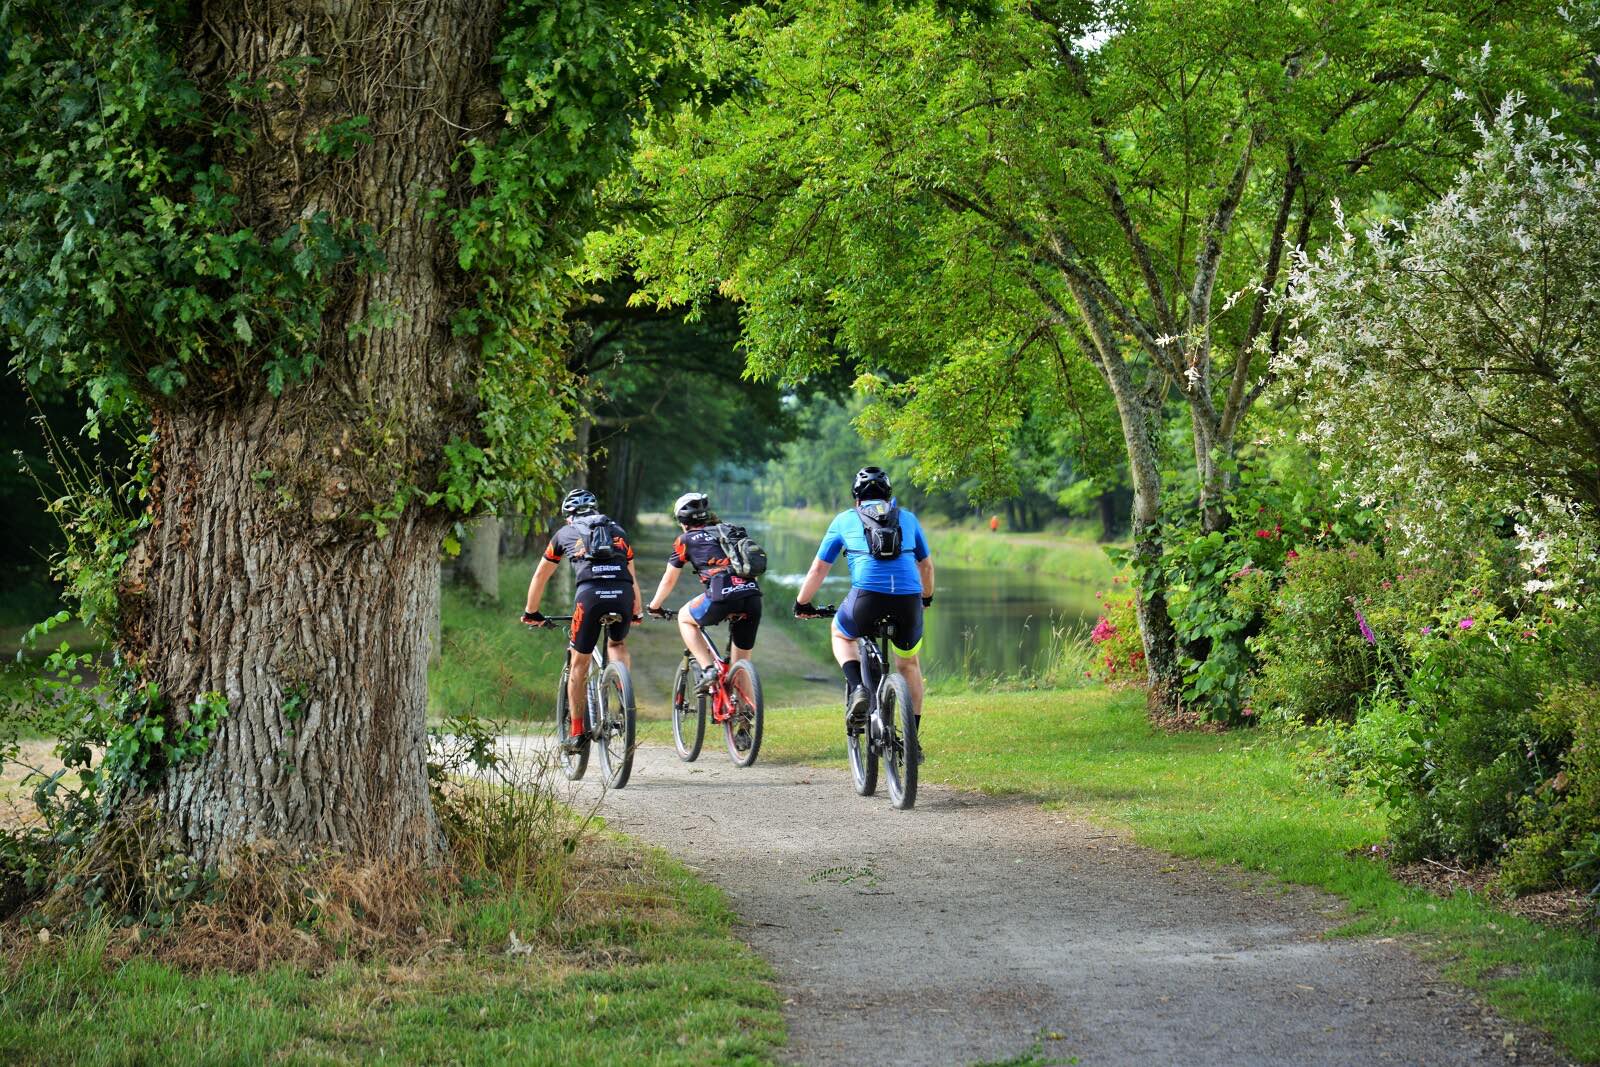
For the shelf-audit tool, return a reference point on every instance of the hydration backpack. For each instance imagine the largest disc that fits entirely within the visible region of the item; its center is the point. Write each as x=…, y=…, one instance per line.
x=600, y=536
x=745, y=558
x=880, y=520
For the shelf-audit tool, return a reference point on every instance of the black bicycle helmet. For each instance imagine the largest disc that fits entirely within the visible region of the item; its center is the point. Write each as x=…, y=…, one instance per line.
x=872, y=483
x=692, y=508
x=580, y=502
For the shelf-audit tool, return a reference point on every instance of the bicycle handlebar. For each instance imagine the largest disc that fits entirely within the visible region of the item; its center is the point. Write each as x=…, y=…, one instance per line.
x=822, y=613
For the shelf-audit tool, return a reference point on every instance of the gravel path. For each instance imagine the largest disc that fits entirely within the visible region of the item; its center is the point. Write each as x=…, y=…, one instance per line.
x=977, y=929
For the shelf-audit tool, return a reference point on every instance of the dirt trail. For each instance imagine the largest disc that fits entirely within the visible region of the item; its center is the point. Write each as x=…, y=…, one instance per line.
x=977, y=929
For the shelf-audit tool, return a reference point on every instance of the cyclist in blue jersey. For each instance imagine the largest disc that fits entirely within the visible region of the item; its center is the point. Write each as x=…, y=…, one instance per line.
x=891, y=577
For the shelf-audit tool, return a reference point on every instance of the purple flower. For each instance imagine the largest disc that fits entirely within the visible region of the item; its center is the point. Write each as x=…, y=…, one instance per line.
x=1366, y=631
x=1466, y=624
x=1426, y=630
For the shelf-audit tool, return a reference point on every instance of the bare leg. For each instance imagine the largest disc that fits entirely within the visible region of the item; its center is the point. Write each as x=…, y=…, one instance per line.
x=735, y=655
x=911, y=669
x=844, y=648
x=618, y=651
x=693, y=639
x=577, y=687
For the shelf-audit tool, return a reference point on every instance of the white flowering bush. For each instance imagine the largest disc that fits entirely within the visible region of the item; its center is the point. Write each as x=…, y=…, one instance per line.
x=1450, y=364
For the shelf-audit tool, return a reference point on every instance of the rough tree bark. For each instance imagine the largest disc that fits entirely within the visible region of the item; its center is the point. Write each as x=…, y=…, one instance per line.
x=259, y=577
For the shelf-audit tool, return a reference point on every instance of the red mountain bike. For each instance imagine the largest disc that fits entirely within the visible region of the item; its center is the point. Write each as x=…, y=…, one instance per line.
x=735, y=703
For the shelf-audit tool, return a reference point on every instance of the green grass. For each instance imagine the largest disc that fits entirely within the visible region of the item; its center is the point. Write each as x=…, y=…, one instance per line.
x=1233, y=798
x=657, y=979
x=490, y=664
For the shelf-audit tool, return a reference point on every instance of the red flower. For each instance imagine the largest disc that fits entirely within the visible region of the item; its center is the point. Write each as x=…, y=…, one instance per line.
x=1265, y=535
x=1291, y=554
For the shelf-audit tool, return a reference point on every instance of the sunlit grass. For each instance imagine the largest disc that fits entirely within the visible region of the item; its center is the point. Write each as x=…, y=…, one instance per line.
x=661, y=984
x=1233, y=798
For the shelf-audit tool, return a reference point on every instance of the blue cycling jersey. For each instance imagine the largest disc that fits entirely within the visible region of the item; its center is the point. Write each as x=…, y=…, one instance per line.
x=845, y=533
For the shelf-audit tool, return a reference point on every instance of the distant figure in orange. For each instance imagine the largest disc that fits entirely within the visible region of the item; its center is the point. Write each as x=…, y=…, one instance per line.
x=994, y=524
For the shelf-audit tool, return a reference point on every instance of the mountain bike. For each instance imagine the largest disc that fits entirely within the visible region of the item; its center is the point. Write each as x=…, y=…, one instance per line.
x=735, y=703
x=890, y=732
x=609, y=717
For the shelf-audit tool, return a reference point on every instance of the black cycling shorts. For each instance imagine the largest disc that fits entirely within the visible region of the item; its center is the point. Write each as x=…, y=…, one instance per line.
x=863, y=609
x=742, y=612
x=594, y=601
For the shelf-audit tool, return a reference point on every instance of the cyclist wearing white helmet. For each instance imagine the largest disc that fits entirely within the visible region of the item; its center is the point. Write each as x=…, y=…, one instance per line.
x=727, y=595
x=602, y=564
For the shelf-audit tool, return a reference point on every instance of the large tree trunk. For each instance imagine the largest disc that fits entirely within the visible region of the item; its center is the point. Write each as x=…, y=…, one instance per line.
x=278, y=570
x=320, y=646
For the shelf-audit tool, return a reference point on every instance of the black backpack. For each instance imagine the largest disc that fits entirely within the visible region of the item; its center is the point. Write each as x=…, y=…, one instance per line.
x=745, y=558
x=880, y=520
x=600, y=536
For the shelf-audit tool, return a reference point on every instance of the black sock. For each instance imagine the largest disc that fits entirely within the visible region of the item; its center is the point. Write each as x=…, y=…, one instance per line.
x=852, y=674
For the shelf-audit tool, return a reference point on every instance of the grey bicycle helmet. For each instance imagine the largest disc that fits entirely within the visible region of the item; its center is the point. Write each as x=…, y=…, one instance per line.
x=872, y=483
x=691, y=508
x=580, y=502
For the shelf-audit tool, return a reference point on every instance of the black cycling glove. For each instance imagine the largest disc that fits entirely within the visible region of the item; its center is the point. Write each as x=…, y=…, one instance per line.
x=804, y=608
x=533, y=618
x=927, y=601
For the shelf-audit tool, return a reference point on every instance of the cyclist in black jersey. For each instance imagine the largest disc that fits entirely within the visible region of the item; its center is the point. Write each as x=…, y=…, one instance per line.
x=727, y=596
x=604, y=587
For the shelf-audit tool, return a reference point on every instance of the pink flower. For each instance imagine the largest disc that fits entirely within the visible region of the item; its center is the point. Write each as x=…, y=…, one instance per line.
x=1426, y=630
x=1366, y=631
x=1104, y=630
x=1527, y=633
x=1291, y=554
x=1466, y=624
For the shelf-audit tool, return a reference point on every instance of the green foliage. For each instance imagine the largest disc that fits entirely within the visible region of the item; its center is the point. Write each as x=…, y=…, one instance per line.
x=125, y=271
x=1315, y=663
x=1475, y=690
x=576, y=78
x=1219, y=582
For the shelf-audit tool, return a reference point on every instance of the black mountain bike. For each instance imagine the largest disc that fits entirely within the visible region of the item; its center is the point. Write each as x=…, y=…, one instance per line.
x=890, y=731
x=735, y=703
x=609, y=716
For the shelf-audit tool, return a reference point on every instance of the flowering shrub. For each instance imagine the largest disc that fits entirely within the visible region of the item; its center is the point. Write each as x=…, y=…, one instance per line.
x=1336, y=627
x=1220, y=582
x=1118, y=650
x=1450, y=361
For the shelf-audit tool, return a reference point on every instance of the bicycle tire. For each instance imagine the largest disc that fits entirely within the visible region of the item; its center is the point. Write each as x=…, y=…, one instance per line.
x=573, y=764
x=899, y=741
x=686, y=738
x=863, y=757
x=744, y=726
x=616, y=726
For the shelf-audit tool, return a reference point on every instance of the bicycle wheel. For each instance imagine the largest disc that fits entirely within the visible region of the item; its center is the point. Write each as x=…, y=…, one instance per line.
x=743, y=727
x=573, y=764
x=688, y=720
x=616, y=725
x=898, y=739
x=863, y=757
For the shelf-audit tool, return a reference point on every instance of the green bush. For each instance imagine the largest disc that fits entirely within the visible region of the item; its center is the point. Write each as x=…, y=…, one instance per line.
x=1316, y=661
